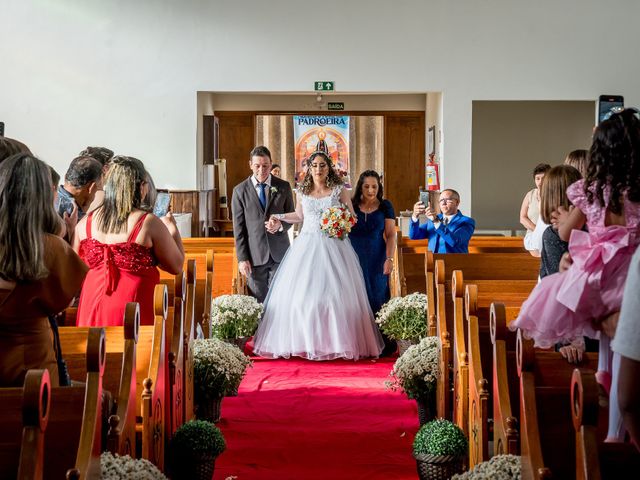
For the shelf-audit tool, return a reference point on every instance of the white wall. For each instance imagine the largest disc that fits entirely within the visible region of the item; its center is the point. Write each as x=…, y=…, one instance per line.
x=125, y=74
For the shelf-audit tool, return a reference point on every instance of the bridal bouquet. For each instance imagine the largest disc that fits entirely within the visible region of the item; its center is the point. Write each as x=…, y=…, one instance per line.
x=336, y=222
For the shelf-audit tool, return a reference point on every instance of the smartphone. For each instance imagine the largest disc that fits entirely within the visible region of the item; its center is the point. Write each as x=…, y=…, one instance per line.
x=424, y=198
x=161, y=207
x=608, y=104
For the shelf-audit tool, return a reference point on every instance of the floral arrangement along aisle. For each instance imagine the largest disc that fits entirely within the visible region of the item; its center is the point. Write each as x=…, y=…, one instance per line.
x=500, y=467
x=416, y=374
x=235, y=317
x=218, y=369
x=336, y=222
x=404, y=319
x=440, y=449
x=116, y=467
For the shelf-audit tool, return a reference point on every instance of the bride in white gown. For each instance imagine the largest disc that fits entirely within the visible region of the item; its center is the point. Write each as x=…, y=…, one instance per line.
x=317, y=305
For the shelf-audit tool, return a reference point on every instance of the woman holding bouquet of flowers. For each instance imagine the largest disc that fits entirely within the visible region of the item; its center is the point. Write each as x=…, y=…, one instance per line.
x=317, y=306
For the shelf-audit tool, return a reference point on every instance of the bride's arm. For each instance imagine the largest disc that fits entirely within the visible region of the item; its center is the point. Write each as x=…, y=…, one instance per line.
x=292, y=217
x=346, y=201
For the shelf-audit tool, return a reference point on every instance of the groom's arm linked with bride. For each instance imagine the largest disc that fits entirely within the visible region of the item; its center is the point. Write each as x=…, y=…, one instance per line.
x=258, y=250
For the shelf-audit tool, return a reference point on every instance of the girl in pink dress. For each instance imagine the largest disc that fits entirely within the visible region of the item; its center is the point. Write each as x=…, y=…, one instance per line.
x=563, y=305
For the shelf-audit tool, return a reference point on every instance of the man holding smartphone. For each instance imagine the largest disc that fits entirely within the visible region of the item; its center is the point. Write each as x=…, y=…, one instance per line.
x=447, y=232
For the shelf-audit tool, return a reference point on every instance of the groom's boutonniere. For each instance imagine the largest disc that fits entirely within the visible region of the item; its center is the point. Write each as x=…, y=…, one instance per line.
x=273, y=190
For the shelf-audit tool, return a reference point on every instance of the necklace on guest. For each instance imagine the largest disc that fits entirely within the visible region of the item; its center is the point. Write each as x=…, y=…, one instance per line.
x=369, y=210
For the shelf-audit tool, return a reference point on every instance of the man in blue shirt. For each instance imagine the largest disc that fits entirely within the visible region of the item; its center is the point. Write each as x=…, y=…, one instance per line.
x=449, y=231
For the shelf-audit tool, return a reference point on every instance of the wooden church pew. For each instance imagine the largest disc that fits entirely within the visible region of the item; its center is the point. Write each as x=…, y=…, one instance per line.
x=476, y=267
x=188, y=335
x=505, y=391
x=175, y=347
x=478, y=299
x=547, y=438
x=596, y=460
x=151, y=363
x=119, y=376
x=23, y=422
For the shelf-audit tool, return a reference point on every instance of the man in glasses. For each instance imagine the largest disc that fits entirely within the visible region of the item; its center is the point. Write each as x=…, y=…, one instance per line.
x=449, y=231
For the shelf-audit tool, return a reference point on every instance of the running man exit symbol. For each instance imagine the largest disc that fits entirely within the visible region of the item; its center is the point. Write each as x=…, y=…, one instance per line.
x=323, y=86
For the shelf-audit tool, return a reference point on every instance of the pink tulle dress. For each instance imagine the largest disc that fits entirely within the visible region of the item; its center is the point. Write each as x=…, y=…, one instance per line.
x=562, y=305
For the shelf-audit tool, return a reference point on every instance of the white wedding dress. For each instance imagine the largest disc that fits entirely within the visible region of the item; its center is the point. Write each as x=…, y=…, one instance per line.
x=317, y=305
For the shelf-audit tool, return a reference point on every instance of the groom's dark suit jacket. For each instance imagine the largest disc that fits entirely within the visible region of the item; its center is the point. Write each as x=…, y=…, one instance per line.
x=252, y=240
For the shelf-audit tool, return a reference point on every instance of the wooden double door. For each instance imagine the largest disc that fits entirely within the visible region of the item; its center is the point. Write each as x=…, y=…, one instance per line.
x=404, y=150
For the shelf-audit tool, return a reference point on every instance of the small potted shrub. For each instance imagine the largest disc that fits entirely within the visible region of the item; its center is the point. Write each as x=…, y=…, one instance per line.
x=416, y=374
x=404, y=319
x=194, y=449
x=500, y=467
x=116, y=467
x=234, y=318
x=439, y=448
x=218, y=369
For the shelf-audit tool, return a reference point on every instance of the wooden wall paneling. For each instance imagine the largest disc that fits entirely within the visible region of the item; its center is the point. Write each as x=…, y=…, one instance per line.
x=236, y=140
x=404, y=157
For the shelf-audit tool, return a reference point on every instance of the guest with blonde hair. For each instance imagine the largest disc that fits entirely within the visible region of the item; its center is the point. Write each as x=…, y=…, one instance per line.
x=122, y=248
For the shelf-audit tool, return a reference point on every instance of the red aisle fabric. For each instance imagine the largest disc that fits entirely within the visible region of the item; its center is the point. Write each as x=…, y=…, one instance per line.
x=301, y=420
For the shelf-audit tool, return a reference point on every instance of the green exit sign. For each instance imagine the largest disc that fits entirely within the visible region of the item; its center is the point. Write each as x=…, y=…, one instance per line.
x=324, y=86
x=335, y=105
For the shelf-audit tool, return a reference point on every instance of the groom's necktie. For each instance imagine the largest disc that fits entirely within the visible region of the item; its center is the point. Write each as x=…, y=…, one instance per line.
x=262, y=195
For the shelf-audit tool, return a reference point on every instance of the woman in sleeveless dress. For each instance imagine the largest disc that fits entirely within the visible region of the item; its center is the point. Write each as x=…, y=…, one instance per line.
x=122, y=244
x=317, y=306
x=530, y=212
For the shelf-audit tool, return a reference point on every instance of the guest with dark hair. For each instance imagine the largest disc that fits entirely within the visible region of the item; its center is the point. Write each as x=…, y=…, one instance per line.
x=81, y=182
x=9, y=147
x=373, y=238
x=275, y=170
x=122, y=248
x=104, y=156
x=39, y=272
x=101, y=154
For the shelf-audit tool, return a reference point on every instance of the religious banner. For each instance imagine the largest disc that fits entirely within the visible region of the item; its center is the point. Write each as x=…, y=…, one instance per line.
x=329, y=134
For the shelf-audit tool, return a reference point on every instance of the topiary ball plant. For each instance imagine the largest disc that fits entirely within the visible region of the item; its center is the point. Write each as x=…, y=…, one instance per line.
x=198, y=436
x=440, y=437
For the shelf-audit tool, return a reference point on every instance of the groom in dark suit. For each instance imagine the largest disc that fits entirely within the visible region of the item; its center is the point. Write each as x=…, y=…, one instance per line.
x=260, y=244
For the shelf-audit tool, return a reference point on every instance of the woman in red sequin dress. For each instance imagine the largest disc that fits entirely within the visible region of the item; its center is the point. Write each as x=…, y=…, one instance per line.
x=122, y=245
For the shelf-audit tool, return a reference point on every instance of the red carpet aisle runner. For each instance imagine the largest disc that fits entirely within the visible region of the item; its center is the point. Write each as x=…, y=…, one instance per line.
x=302, y=420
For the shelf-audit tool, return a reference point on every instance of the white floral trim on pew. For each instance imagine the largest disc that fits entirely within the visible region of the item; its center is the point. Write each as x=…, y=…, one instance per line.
x=116, y=467
x=500, y=467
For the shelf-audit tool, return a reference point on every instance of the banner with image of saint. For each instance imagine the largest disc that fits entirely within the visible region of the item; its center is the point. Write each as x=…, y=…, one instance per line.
x=326, y=133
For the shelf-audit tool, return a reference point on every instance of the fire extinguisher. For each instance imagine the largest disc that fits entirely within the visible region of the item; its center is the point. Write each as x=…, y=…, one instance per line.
x=433, y=176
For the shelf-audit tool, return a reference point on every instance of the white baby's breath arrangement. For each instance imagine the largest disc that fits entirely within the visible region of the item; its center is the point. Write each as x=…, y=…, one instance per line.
x=218, y=368
x=500, y=467
x=404, y=318
x=234, y=316
x=116, y=467
x=416, y=370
